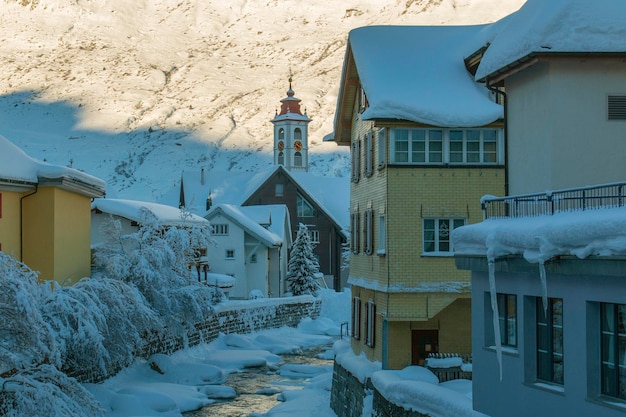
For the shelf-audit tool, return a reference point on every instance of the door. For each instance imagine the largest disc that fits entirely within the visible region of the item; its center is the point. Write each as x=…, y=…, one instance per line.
x=423, y=342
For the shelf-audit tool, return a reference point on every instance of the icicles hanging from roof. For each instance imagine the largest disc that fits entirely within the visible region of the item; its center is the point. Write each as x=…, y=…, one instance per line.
x=494, y=313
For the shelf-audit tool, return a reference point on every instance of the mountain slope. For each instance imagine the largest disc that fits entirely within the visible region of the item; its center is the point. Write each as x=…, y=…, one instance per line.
x=136, y=92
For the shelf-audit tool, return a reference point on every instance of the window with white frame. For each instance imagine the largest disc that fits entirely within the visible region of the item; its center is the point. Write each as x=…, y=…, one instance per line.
x=281, y=158
x=314, y=235
x=355, y=322
x=368, y=231
x=354, y=232
x=370, y=323
x=230, y=254
x=304, y=209
x=445, y=146
x=550, y=362
x=382, y=235
x=381, y=139
x=436, y=235
x=613, y=349
x=355, y=161
x=369, y=153
x=219, y=229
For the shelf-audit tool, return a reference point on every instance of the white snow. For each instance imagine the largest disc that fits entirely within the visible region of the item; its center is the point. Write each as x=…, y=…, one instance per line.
x=15, y=164
x=236, y=214
x=396, y=64
x=598, y=232
x=556, y=26
x=137, y=93
x=131, y=210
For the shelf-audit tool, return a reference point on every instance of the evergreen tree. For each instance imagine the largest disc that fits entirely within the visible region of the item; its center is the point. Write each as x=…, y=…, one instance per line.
x=303, y=265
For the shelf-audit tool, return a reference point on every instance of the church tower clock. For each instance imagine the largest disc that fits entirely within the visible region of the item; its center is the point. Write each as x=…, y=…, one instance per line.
x=291, y=134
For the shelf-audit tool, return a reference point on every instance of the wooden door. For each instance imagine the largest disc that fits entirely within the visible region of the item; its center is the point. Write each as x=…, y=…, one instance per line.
x=423, y=342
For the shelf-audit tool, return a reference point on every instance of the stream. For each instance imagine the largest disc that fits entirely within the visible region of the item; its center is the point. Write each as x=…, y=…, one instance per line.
x=258, y=389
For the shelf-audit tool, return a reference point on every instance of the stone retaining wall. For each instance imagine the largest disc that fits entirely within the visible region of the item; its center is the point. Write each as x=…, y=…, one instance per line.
x=242, y=317
x=347, y=393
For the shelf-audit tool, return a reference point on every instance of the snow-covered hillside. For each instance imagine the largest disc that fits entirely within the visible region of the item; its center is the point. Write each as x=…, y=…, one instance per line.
x=136, y=91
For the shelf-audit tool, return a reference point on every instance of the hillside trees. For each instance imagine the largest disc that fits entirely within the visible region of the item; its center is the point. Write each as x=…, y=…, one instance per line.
x=303, y=265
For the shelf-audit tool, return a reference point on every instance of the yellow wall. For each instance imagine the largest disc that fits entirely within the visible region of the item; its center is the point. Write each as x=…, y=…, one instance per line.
x=10, y=224
x=57, y=228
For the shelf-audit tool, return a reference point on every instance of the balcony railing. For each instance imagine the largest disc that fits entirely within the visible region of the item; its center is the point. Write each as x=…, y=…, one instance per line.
x=551, y=202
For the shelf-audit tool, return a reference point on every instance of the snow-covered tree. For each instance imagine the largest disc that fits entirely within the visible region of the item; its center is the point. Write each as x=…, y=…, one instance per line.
x=45, y=391
x=154, y=261
x=25, y=337
x=303, y=265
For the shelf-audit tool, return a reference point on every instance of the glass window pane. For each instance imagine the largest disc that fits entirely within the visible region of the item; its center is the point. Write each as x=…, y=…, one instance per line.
x=401, y=145
x=435, y=146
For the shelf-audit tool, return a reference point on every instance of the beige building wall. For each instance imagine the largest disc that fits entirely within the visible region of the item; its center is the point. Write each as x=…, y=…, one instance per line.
x=555, y=143
x=57, y=228
x=10, y=221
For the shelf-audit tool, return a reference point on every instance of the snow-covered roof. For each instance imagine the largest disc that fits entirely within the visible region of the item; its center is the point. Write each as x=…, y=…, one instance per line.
x=17, y=167
x=236, y=215
x=600, y=232
x=556, y=26
x=417, y=73
x=130, y=209
x=329, y=193
x=274, y=217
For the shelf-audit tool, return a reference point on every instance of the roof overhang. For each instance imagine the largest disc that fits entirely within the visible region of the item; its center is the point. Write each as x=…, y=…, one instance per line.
x=9, y=184
x=497, y=77
x=74, y=185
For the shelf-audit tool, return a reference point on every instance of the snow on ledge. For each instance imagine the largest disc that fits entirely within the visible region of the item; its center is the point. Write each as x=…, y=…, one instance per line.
x=417, y=389
x=599, y=232
x=455, y=287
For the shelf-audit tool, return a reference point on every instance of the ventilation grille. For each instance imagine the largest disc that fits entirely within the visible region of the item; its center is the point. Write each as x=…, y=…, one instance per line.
x=617, y=107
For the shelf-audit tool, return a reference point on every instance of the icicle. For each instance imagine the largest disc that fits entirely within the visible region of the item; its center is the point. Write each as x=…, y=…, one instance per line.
x=495, y=314
x=544, y=287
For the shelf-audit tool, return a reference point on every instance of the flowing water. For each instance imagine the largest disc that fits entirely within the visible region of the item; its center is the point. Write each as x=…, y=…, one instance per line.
x=248, y=382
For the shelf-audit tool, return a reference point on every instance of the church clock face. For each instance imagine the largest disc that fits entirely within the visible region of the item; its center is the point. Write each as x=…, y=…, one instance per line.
x=297, y=146
x=281, y=146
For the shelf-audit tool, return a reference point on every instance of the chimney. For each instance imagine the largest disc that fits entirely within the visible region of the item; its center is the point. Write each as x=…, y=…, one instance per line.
x=209, y=201
x=202, y=176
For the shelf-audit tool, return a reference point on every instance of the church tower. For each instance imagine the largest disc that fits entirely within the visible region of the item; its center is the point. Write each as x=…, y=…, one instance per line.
x=291, y=134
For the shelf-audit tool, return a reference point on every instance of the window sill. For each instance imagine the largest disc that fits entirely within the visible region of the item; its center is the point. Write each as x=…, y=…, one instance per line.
x=611, y=402
x=381, y=253
x=547, y=386
x=506, y=350
x=438, y=254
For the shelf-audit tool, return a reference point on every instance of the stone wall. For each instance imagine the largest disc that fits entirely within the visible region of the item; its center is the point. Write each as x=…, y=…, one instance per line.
x=244, y=317
x=347, y=393
x=384, y=408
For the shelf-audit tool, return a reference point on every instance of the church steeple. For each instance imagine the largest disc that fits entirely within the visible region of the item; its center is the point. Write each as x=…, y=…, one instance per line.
x=291, y=133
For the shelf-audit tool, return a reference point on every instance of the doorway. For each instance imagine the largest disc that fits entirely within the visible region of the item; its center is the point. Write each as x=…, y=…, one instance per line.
x=423, y=343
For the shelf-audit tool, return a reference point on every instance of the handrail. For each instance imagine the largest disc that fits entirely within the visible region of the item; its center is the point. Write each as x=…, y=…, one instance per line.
x=551, y=202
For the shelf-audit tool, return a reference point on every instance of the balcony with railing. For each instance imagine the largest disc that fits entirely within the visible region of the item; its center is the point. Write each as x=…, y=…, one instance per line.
x=551, y=202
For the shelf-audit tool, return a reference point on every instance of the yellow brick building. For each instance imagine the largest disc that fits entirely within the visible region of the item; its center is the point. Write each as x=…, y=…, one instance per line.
x=45, y=215
x=417, y=173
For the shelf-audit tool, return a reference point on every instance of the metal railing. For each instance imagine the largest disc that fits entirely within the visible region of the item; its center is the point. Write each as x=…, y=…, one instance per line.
x=551, y=202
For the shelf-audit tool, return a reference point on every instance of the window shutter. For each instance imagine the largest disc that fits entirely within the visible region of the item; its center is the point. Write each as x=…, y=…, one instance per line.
x=356, y=317
x=382, y=147
x=369, y=154
x=617, y=107
x=368, y=232
x=371, y=324
x=356, y=162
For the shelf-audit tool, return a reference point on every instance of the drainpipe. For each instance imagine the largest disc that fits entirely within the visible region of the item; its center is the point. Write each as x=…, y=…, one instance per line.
x=496, y=91
x=22, y=221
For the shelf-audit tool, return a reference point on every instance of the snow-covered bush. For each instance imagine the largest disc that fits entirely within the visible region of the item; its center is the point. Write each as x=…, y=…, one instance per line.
x=45, y=391
x=255, y=294
x=25, y=337
x=155, y=262
x=303, y=265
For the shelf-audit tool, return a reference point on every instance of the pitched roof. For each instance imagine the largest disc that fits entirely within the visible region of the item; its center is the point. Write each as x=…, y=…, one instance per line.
x=417, y=73
x=330, y=194
x=556, y=27
x=17, y=169
x=130, y=209
x=247, y=223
